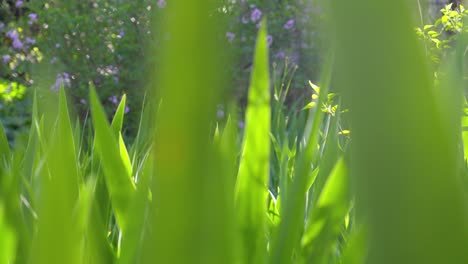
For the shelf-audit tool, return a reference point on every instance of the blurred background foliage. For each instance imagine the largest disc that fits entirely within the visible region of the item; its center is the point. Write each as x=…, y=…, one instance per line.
x=104, y=42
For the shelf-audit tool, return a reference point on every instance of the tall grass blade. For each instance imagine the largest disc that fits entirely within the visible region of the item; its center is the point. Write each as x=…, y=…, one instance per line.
x=405, y=154
x=58, y=237
x=4, y=148
x=7, y=240
x=327, y=218
x=189, y=207
x=119, y=183
x=252, y=180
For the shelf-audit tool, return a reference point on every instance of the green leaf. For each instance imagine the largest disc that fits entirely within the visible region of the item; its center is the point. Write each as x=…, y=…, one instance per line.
x=4, y=148
x=117, y=121
x=7, y=240
x=252, y=180
x=58, y=237
x=327, y=217
x=426, y=27
x=119, y=183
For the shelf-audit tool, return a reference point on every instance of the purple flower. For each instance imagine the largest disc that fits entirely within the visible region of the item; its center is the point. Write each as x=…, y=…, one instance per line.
x=32, y=18
x=62, y=79
x=280, y=55
x=121, y=33
x=269, y=40
x=230, y=36
x=83, y=101
x=6, y=58
x=241, y=124
x=127, y=109
x=29, y=40
x=12, y=34
x=113, y=99
x=220, y=114
x=57, y=45
x=19, y=3
x=256, y=15
x=17, y=44
x=161, y=3
x=289, y=24
x=245, y=20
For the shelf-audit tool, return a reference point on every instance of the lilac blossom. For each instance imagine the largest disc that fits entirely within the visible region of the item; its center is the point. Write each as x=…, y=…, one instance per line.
x=255, y=15
x=245, y=20
x=121, y=33
x=280, y=55
x=269, y=40
x=127, y=109
x=62, y=79
x=220, y=114
x=83, y=101
x=19, y=3
x=289, y=24
x=6, y=58
x=29, y=40
x=113, y=99
x=17, y=44
x=12, y=34
x=32, y=18
x=230, y=36
x=161, y=3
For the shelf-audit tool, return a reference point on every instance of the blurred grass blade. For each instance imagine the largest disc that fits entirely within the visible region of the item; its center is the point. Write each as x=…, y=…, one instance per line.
x=327, y=218
x=119, y=183
x=252, y=180
x=190, y=210
x=355, y=251
x=58, y=237
x=405, y=143
x=133, y=242
x=4, y=148
x=7, y=240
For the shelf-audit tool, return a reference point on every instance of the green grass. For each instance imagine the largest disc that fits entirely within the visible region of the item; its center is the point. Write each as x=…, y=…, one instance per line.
x=291, y=187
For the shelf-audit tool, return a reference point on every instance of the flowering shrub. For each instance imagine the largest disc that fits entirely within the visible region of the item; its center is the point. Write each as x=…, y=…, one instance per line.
x=104, y=42
x=76, y=42
x=292, y=27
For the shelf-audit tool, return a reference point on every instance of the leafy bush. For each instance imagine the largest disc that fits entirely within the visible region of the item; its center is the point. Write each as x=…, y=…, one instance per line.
x=440, y=36
x=106, y=42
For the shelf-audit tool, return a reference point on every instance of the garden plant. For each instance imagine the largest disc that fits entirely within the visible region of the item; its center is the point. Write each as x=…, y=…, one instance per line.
x=372, y=168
